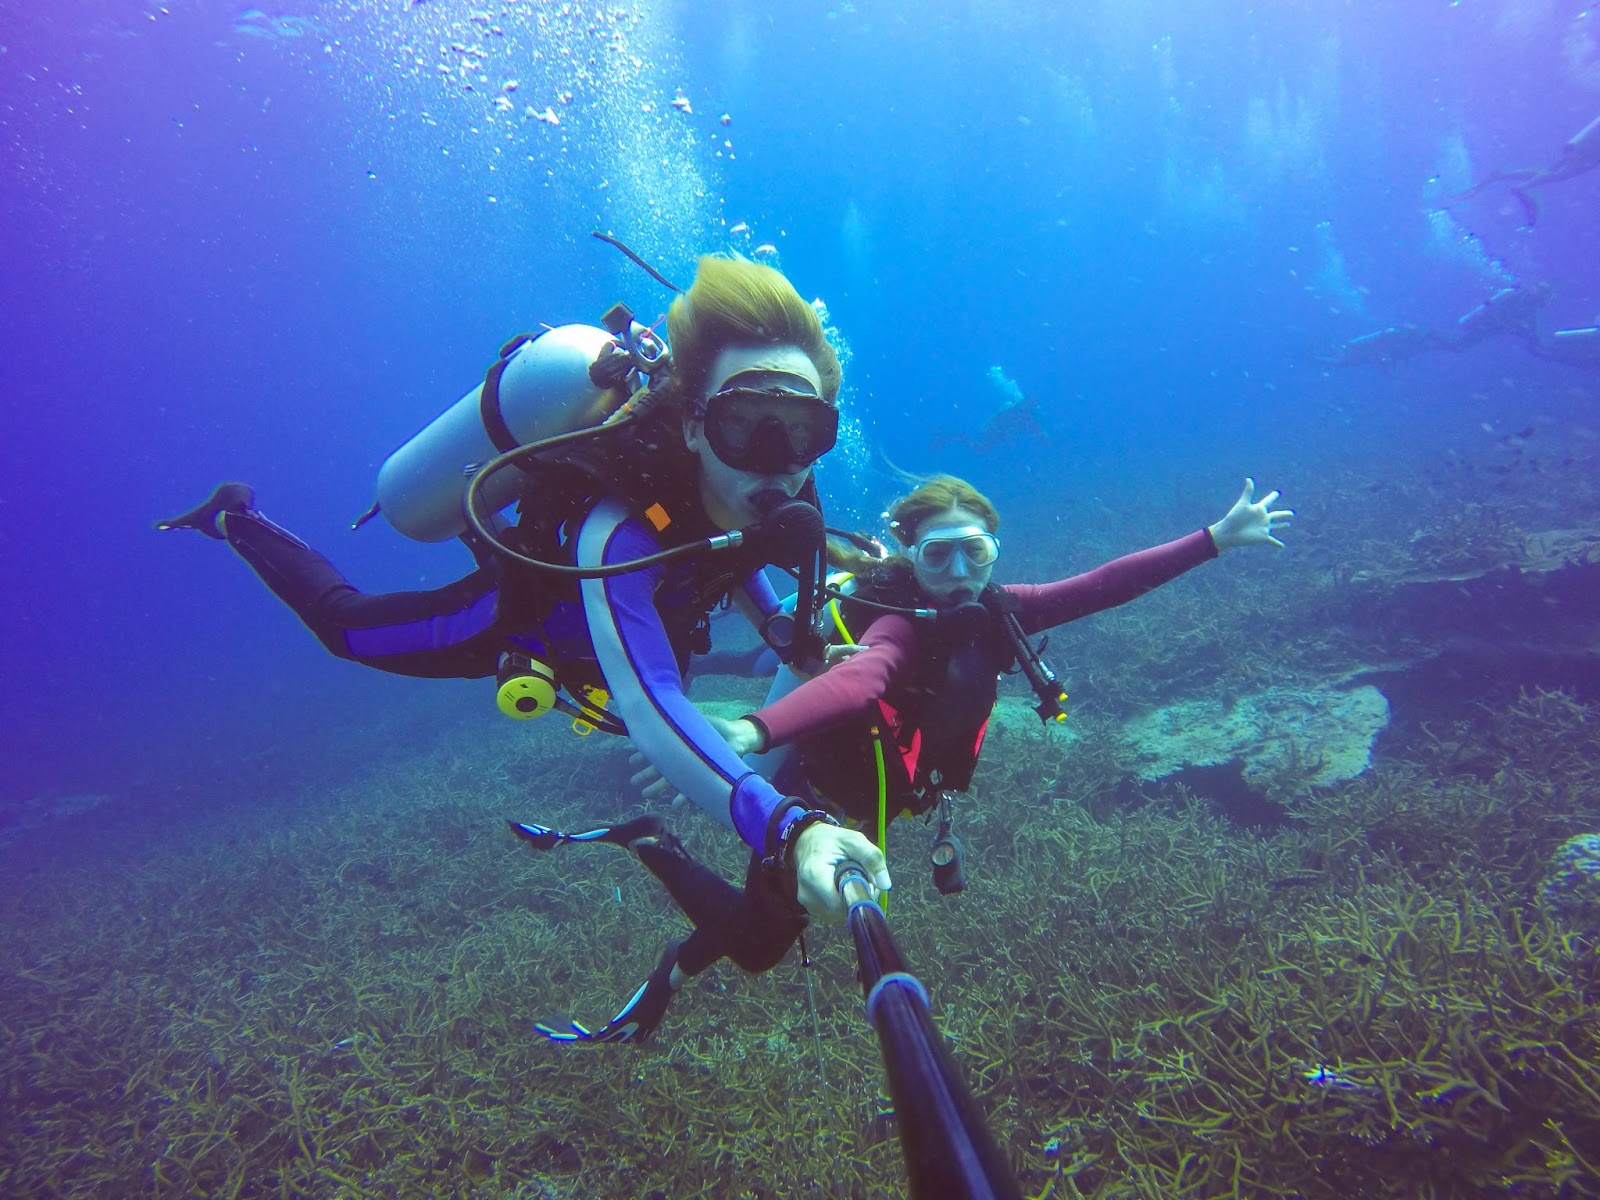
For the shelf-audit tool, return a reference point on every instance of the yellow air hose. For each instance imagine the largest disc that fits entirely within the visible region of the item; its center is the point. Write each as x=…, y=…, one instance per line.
x=877, y=755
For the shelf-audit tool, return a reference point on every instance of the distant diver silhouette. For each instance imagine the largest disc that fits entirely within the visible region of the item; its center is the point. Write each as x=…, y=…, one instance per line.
x=1578, y=347
x=1580, y=155
x=1387, y=347
x=1511, y=312
x=1016, y=424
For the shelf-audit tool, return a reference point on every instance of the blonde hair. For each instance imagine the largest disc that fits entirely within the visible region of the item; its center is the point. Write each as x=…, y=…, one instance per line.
x=907, y=515
x=736, y=302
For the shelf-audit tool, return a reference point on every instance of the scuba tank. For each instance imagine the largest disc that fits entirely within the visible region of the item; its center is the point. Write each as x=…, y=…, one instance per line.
x=556, y=381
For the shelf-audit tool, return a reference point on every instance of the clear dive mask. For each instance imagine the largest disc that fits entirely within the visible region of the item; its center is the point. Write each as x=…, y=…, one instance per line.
x=937, y=554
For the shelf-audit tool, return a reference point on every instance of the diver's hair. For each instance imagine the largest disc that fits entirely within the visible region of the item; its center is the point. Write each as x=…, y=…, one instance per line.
x=736, y=302
x=907, y=515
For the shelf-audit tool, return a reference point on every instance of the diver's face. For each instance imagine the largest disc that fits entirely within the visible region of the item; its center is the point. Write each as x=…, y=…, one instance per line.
x=953, y=556
x=733, y=498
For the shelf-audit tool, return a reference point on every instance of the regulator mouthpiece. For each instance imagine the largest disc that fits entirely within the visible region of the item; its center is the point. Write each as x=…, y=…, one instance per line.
x=791, y=530
x=965, y=622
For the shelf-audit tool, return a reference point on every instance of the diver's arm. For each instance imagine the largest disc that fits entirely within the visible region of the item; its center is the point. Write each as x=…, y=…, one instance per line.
x=641, y=672
x=1045, y=605
x=842, y=691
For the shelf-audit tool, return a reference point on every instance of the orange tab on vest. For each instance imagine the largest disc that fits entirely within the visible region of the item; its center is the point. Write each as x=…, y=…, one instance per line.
x=657, y=516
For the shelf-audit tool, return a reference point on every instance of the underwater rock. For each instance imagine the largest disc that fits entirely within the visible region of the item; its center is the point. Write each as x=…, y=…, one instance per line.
x=1466, y=552
x=1283, y=736
x=1571, y=891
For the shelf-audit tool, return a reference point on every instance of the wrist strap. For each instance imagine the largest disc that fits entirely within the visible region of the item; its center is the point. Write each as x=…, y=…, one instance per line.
x=781, y=861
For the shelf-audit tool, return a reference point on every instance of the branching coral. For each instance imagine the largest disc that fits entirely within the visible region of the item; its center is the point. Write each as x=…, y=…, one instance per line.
x=1149, y=1001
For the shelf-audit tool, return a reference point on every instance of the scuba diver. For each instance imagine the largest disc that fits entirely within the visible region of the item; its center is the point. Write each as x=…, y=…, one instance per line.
x=1511, y=312
x=898, y=726
x=1580, y=155
x=1576, y=347
x=640, y=509
x=1015, y=422
x=1388, y=347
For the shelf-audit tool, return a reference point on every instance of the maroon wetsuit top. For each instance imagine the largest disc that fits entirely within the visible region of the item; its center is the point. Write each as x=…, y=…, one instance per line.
x=852, y=687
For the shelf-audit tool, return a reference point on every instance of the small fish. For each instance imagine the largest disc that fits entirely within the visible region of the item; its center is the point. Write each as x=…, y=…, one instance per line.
x=1329, y=1079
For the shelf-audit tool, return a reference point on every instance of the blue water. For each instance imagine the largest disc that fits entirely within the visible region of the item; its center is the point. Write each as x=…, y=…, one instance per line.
x=269, y=245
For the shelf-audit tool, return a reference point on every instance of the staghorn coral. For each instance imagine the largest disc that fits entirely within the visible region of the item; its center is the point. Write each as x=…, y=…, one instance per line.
x=1149, y=1001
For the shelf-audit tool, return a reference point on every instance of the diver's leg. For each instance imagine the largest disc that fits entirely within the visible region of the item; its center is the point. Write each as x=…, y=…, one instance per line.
x=768, y=925
x=715, y=908
x=753, y=926
x=542, y=837
x=705, y=897
x=395, y=631
x=303, y=579
x=755, y=929
x=636, y=1020
x=697, y=889
x=206, y=517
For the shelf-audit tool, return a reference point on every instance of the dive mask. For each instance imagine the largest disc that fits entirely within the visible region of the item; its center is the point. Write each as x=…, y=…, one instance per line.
x=936, y=554
x=769, y=423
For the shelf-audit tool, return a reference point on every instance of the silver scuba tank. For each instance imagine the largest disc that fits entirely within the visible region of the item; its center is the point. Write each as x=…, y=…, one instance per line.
x=540, y=387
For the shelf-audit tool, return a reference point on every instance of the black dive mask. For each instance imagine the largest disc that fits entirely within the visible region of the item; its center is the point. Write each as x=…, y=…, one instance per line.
x=771, y=429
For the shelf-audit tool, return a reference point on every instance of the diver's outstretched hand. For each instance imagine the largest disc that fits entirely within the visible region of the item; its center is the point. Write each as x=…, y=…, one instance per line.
x=743, y=737
x=817, y=855
x=652, y=785
x=1251, y=522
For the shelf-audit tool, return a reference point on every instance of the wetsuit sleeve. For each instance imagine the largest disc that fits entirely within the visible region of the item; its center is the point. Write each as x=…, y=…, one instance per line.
x=843, y=691
x=641, y=671
x=1045, y=605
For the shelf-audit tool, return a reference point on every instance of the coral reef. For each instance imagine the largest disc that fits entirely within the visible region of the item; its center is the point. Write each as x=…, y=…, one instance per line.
x=334, y=998
x=1284, y=736
x=1571, y=891
x=329, y=992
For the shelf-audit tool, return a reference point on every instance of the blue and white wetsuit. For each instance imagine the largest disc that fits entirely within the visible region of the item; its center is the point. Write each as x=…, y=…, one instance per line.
x=632, y=631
